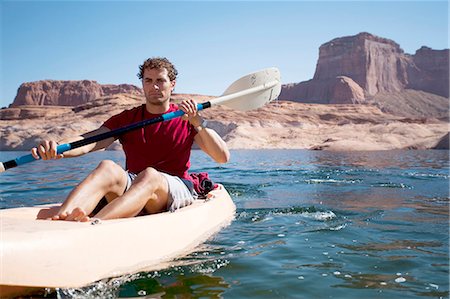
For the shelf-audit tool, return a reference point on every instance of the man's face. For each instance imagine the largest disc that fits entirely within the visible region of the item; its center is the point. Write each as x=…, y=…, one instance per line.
x=157, y=85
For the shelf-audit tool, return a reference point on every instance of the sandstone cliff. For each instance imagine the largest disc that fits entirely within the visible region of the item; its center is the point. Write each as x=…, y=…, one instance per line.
x=67, y=93
x=276, y=125
x=372, y=65
x=430, y=71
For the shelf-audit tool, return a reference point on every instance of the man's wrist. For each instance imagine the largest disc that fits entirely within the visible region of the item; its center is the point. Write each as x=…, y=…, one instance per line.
x=202, y=125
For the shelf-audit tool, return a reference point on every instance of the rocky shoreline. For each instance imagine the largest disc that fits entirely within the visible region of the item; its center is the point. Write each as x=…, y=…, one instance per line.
x=278, y=125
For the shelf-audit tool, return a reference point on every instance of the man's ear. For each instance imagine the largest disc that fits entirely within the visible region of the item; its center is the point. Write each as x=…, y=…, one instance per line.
x=173, y=83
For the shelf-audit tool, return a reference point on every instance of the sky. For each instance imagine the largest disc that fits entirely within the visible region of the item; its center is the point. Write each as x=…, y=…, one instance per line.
x=211, y=43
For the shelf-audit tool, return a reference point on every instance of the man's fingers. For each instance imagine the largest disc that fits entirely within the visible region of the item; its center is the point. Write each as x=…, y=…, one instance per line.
x=48, y=153
x=46, y=150
x=42, y=151
x=53, y=146
x=34, y=153
x=192, y=106
x=189, y=107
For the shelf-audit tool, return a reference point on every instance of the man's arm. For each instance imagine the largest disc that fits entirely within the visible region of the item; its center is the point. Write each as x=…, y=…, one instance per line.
x=212, y=144
x=47, y=148
x=207, y=139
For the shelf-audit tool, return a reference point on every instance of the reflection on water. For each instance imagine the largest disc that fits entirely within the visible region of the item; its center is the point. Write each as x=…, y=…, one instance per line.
x=308, y=225
x=154, y=285
x=195, y=286
x=394, y=245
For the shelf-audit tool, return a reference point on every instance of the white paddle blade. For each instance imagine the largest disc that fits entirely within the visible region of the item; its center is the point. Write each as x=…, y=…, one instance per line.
x=252, y=91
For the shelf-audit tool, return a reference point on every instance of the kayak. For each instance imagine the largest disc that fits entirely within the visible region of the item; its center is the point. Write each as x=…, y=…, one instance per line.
x=37, y=254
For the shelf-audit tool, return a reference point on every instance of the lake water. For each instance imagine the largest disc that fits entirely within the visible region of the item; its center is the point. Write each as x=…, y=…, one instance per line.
x=309, y=224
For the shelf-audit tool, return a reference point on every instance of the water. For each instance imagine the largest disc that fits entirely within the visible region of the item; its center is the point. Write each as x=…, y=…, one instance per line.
x=308, y=224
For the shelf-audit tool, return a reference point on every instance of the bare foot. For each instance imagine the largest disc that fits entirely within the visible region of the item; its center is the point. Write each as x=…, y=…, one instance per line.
x=60, y=216
x=77, y=215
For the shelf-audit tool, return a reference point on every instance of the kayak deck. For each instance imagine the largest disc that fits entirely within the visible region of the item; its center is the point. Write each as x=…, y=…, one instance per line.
x=62, y=254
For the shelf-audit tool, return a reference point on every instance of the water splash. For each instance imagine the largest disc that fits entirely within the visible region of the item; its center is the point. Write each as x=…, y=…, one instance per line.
x=107, y=288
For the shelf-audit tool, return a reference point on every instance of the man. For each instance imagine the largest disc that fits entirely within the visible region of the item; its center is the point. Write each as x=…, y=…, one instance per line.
x=156, y=178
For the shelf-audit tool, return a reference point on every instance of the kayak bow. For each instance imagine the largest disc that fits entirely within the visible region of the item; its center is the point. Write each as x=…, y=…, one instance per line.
x=37, y=254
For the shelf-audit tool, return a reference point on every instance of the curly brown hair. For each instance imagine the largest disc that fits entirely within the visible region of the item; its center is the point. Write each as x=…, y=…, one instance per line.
x=158, y=63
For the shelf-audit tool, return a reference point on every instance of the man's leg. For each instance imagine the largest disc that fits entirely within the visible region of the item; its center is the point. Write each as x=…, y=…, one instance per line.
x=149, y=190
x=108, y=179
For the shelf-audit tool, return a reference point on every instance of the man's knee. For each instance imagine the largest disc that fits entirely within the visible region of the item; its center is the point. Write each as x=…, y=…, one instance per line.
x=157, y=188
x=107, y=165
x=114, y=172
x=149, y=175
x=152, y=180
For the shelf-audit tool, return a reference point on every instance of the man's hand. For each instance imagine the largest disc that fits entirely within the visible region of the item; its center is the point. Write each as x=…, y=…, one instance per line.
x=190, y=108
x=46, y=150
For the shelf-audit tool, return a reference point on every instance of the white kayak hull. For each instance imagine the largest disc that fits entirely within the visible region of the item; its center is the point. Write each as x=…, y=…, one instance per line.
x=62, y=254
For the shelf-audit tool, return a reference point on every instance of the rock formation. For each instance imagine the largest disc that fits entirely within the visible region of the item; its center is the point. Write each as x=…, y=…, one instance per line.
x=443, y=143
x=67, y=93
x=430, y=71
x=280, y=124
x=345, y=90
x=373, y=65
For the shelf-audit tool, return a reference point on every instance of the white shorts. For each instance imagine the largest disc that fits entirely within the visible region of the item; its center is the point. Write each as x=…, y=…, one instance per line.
x=179, y=194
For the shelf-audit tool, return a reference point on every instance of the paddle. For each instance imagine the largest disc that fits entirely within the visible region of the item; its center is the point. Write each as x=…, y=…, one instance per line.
x=249, y=92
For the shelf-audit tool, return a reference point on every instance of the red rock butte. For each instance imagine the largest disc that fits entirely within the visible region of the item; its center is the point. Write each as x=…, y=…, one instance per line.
x=355, y=69
x=67, y=93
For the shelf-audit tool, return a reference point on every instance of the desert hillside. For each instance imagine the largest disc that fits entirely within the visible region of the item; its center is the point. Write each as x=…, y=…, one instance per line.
x=280, y=124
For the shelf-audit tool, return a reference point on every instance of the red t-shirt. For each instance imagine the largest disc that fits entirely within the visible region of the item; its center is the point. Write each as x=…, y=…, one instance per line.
x=165, y=146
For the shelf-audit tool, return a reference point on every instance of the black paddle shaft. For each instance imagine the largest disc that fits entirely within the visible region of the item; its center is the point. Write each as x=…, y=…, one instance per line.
x=114, y=133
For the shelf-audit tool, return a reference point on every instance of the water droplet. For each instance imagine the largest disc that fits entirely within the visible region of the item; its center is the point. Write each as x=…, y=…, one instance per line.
x=433, y=285
x=400, y=279
x=142, y=293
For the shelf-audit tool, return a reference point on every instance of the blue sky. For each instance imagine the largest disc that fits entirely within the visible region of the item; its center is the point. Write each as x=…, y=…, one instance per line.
x=211, y=43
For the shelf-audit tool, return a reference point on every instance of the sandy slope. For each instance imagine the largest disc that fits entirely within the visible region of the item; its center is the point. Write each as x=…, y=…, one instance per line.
x=277, y=125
